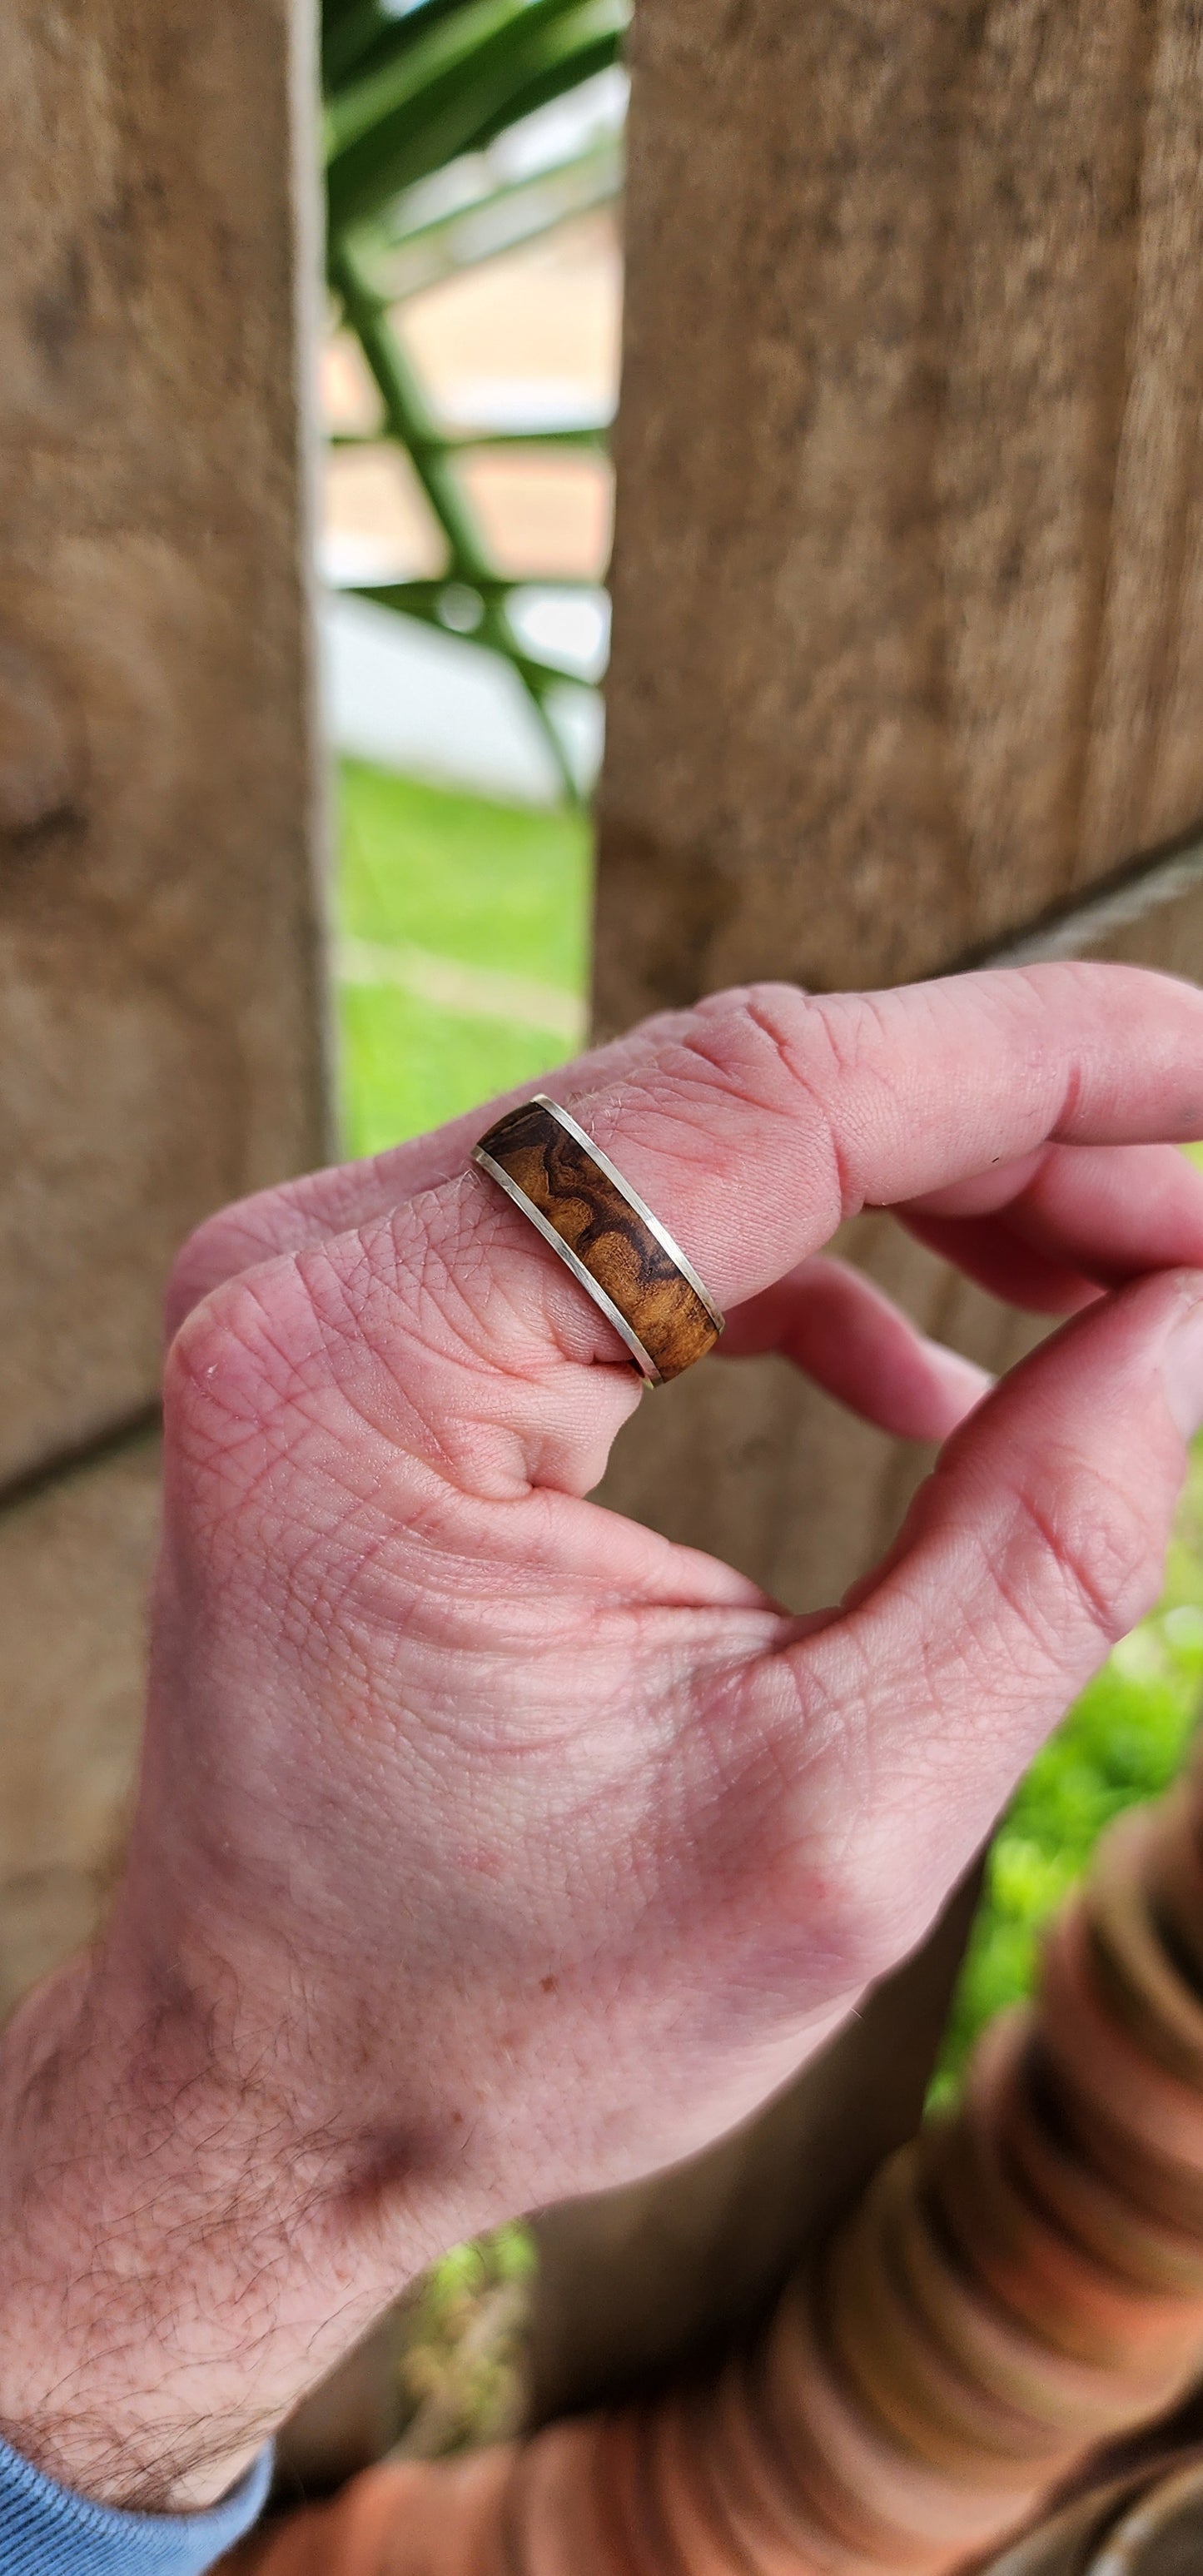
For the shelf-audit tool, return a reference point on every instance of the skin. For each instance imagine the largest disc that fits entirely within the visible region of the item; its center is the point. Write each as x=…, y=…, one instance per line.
x=489, y=1848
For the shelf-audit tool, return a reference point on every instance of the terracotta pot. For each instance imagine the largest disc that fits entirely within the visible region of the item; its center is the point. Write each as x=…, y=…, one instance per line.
x=1126, y=2117
x=1076, y=2399
x=880, y=2497
x=551, y=2522
x=1136, y=1973
x=1023, y=2279
x=1141, y=2313
x=620, y=2486
x=412, y=2518
x=1167, y=2192
x=1174, y=1877
x=1090, y=2210
x=1065, y=2296
x=889, y=2354
x=777, y=2529
x=697, y=2534
x=828, y=2463
x=1107, y=2066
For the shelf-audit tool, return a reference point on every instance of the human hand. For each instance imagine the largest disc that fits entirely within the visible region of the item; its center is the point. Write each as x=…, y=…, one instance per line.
x=491, y=1848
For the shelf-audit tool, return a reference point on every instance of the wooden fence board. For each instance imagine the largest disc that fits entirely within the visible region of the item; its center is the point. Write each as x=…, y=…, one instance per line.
x=908, y=611
x=158, y=1004
x=74, y=1563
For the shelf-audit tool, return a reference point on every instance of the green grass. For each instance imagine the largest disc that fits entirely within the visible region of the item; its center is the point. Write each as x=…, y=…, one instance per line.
x=409, y=1066
x=502, y=886
x=498, y=889
x=504, y=890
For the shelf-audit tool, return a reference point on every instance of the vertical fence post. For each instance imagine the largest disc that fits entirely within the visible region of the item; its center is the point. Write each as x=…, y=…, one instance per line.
x=160, y=1043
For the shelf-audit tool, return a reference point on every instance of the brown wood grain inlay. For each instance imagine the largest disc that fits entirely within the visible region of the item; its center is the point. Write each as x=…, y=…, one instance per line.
x=608, y=1236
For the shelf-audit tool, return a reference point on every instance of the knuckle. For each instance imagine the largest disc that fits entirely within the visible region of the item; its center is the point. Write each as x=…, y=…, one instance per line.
x=862, y=1914
x=847, y=1906
x=215, y=1251
x=878, y=1883
x=760, y=1048
x=206, y=1360
x=1101, y=1548
x=819, y=1058
x=197, y=1267
x=229, y=1438
x=744, y=1040
x=232, y=1362
x=289, y=1218
x=834, y=1895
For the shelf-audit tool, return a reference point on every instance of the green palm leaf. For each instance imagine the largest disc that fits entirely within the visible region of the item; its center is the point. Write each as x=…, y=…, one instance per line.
x=359, y=34
x=412, y=86
x=478, y=70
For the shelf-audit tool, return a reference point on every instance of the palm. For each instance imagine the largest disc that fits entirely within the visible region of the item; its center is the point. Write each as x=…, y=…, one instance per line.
x=505, y=1689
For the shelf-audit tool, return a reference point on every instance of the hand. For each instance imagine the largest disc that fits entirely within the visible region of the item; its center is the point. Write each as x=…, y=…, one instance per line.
x=490, y=1848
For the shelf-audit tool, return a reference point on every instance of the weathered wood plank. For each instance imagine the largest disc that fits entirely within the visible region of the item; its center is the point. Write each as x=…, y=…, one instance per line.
x=74, y=1564
x=158, y=1010
x=908, y=591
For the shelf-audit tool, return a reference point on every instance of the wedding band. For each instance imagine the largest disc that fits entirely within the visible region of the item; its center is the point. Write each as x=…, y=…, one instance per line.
x=617, y=1250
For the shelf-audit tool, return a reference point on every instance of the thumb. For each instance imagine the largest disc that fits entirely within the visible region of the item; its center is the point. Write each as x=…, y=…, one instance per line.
x=1038, y=1541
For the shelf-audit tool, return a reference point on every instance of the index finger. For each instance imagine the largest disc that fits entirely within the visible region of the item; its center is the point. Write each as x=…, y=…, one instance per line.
x=766, y=1104
x=751, y=1127
x=757, y=1123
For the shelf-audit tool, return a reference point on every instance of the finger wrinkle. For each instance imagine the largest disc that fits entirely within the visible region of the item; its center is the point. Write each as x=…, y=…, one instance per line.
x=1102, y=1563
x=848, y=1196
x=843, y=1022
x=1071, y=1102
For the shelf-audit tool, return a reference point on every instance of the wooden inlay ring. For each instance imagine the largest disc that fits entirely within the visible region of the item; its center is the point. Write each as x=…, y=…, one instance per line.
x=613, y=1245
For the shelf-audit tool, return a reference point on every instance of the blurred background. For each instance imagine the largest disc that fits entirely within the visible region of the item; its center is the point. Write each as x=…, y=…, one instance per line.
x=468, y=382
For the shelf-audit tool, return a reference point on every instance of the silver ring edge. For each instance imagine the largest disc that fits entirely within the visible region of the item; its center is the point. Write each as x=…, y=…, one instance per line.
x=541, y=1100
x=585, y=1279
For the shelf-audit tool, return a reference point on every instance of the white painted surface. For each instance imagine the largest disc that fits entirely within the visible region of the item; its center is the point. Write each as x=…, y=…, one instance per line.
x=432, y=706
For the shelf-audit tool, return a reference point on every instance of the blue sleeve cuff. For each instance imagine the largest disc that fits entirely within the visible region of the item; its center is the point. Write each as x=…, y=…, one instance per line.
x=47, y=2531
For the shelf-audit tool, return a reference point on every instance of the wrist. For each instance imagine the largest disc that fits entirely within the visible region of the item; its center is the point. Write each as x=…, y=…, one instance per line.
x=173, y=2273
x=97, y=2204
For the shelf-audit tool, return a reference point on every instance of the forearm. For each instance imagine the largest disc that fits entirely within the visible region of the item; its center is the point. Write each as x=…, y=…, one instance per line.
x=172, y=2277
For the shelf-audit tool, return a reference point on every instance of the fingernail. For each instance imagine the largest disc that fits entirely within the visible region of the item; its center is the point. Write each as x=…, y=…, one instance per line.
x=1182, y=1370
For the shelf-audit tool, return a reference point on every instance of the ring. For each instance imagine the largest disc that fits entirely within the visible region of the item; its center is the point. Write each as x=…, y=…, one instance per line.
x=600, y=1227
